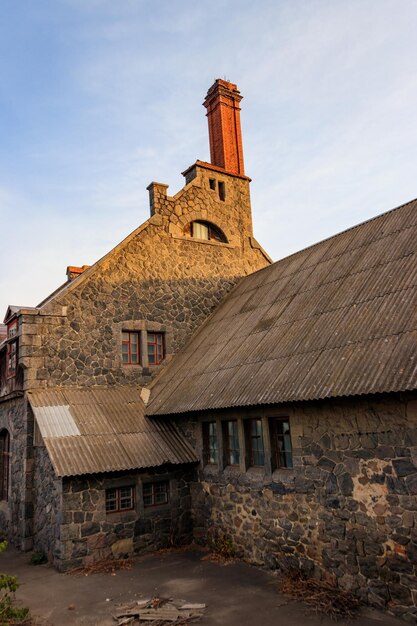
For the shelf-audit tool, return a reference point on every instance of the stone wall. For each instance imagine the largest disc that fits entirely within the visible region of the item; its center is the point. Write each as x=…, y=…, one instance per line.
x=47, y=498
x=348, y=508
x=158, y=278
x=89, y=534
x=16, y=514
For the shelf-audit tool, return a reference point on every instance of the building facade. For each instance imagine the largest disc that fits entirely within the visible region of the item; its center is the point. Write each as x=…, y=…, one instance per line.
x=183, y=387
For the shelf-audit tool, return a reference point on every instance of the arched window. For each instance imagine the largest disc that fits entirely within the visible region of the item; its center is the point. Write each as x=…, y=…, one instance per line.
x=4, y=464
x=207, y=231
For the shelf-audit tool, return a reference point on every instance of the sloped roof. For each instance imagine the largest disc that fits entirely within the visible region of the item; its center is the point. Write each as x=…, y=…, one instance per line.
x=101, y=429
x=336, y=319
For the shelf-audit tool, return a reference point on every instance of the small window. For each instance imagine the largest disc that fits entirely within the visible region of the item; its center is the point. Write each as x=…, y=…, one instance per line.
x=222, y=191
x=156, y=348
x=130, y=348
x=11, y=363
x=255, y=442
x=281, y=442
x=231, y=443
x=12, y=329
x=119, y=499
x=207, y=232
x=210, y=443
x=212, y=183
x=155, y=494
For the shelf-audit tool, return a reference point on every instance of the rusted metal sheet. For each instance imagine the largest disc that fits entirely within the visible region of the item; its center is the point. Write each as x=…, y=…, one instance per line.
x=336, y=319
x=104, y=430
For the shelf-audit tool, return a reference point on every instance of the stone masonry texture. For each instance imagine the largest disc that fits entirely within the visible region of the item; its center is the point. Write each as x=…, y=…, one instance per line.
x=160, y=279
x=347, y=510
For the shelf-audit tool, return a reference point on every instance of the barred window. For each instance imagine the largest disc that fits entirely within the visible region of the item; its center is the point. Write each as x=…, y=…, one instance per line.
x=156, y=493
x=119, y=499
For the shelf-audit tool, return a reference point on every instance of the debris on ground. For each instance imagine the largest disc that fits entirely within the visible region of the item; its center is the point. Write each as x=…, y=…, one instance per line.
x=109, y=566
x=158, y=612
x=215, y=557
x=324, y=597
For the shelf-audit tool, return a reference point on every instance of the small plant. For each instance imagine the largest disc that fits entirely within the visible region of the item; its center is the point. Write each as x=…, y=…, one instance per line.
x=223, y=546
x=9, y=614
x=38, y=558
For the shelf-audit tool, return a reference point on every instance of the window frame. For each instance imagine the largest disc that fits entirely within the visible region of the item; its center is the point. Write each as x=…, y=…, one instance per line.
x=282, y=456
x=128, y=342
x=12, y=359
x=5, y=458
x=250, y=436
x=227, y=449
x=211, y=450
x=154, y=486
x=159, y=354
x=214, y=233
x=118, y=499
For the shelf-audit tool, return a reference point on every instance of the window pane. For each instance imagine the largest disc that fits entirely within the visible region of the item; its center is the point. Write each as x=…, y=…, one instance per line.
x=111, y=500
x=155, y=493
x=256, y=444
x=281, y=442
x=232, y=443
x=200, y=231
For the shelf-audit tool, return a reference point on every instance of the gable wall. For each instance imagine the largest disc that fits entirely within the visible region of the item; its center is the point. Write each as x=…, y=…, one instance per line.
x=159, y=279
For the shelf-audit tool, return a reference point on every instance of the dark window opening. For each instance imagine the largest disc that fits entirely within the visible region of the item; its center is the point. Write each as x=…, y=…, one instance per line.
x=130, y=348
x=281, y=442
x=212, y=183
x=207, y=231
x=231, y=443
x=222, y=191
x=155, y=494
x=4, y=464
x=255, y=442
x=156, y=348
x=11, y=362
x=210, y=443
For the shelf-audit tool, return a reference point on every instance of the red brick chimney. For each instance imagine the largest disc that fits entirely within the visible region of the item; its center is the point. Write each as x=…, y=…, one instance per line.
x=223, y=114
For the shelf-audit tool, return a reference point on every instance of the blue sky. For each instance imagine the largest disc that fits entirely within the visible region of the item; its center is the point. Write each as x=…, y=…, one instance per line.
x=98, y=98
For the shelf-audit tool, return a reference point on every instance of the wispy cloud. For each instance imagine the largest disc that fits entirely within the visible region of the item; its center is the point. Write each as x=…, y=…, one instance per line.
x=99, y=98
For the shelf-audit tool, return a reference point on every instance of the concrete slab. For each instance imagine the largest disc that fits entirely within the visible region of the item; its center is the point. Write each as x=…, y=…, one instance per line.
x=236, y=594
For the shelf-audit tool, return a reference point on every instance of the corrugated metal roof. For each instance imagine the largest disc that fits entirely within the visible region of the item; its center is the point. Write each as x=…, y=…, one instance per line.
x=336, y=319
x=101, y=429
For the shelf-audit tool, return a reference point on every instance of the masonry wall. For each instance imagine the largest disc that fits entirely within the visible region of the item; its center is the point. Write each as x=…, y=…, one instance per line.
x=89, y=534
x=347, y=510
x=16, y=513
x=47, y=498
x=159, y=279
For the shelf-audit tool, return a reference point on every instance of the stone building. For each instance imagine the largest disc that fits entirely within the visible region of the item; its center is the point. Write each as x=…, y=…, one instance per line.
x=84, y=475
x=142, y=404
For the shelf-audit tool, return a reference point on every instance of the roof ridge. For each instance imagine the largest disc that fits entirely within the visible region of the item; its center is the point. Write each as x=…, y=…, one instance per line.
x=342, y=232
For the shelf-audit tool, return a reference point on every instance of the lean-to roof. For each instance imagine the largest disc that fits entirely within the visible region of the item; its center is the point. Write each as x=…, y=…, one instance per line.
x=99, y=429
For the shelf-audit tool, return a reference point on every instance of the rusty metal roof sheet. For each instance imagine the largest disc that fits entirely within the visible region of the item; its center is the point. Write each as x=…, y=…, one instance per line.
x=336, y=319
x=101, y=429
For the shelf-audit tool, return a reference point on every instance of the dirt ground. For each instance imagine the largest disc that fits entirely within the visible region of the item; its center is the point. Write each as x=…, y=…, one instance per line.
x=235, y=594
